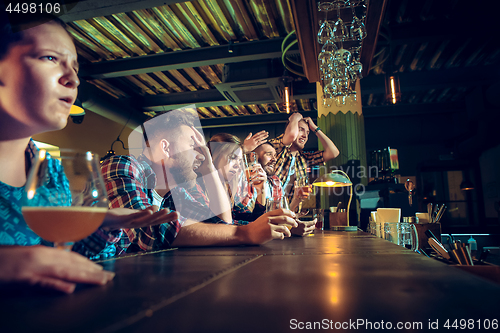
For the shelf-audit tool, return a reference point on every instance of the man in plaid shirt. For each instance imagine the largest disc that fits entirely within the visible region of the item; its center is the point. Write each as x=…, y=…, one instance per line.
x=164, y=175
x=266, y=155
x=292, y=162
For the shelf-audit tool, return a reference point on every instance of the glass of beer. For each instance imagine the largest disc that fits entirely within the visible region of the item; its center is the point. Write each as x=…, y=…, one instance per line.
x=65, y=197
x=277, y=203
x=302, y=185
x=250, y=160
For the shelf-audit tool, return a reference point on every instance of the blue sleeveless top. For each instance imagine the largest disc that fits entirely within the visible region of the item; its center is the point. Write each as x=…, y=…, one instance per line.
x=13, y=228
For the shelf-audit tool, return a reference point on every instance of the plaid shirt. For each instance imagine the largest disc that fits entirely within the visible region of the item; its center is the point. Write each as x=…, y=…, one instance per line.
x=130, y=183
x=284, y=159
x=15, y=231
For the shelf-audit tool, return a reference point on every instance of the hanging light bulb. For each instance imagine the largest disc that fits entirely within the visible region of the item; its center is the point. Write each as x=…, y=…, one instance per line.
x=287, y=92
x=392, y=89
x=287, y=99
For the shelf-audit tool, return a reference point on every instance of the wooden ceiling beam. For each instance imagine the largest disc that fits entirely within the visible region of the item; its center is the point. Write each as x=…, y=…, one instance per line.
x=201, y=98
x=207, y=56
x=374, y=17
x=305, y=18
x=74, y=10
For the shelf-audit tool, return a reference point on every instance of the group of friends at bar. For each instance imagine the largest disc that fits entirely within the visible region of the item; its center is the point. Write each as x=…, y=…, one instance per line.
x=180, y=191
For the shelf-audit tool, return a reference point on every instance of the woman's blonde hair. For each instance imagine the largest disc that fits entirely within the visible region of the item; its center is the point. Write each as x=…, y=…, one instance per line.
x=222, y=146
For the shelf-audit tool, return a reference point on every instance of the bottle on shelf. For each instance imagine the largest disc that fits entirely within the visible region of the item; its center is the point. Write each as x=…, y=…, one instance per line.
x=472, y=246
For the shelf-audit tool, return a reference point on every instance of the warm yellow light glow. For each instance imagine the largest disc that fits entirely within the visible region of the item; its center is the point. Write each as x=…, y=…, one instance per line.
x=31, y=194
x=393, y=90
x=287, y=99
x=334, y=292
x=334, y=285
x=42, y=154
x=330, y=184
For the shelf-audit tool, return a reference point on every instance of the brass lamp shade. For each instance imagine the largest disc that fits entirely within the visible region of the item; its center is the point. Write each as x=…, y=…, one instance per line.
x=332, y=180
x=466, y=185
x=337, y=178
x=77, y=109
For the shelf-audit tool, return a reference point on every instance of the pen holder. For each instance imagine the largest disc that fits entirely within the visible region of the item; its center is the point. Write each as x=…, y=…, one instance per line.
x=338, y=219
x=422, y=237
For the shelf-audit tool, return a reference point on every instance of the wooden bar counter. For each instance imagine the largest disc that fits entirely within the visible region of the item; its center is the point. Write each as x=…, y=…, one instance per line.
x=332, y=280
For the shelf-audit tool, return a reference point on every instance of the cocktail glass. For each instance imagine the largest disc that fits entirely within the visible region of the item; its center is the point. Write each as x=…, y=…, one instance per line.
x=65, y=197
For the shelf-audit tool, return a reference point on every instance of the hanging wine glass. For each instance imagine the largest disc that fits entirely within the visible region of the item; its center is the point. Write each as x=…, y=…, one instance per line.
x=356, y=70
x=356, y=52
x=358, y=29
x=351, y=97
x=339, y=31
x=330, y=89
x=326, y=54
x=325, y=32
x=341, y=68
x=346, y=56
x=340, y=100
x=329, y=47
x=352, y=73
x=326, y=6
x=325, y=29
x=343, y=85
x=341, y=58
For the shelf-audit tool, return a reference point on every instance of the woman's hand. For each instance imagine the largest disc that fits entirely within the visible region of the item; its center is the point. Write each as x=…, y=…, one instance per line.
x=48, y=268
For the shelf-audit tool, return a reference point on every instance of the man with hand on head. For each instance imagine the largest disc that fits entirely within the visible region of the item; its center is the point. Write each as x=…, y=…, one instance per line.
x=38, y=85
x=292, y=162
x=164, y=174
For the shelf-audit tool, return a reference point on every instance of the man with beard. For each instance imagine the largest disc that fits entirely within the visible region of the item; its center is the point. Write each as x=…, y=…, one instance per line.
x=266, y=155
x=164, y=175
x=291, y=161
